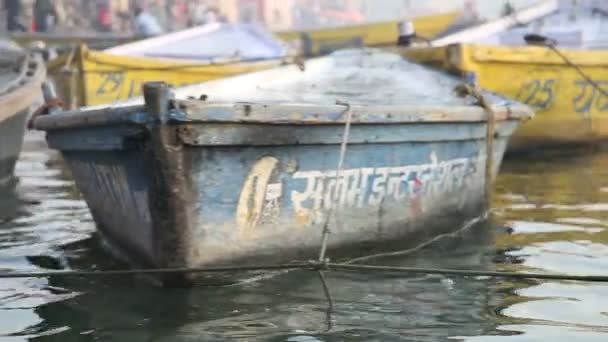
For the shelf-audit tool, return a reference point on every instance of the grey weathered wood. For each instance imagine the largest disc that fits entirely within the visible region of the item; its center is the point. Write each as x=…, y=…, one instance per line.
x=171, y=220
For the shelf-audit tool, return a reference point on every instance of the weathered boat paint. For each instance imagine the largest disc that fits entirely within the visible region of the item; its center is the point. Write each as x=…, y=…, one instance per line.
x=176, y=183
x=20, y=90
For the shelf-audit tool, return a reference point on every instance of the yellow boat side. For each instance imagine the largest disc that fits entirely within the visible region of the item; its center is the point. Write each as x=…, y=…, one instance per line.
x=569, y=108
x=376, y=34
x=85, y=77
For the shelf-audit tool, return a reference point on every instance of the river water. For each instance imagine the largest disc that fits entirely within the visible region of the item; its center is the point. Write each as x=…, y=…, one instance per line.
x=551, y=216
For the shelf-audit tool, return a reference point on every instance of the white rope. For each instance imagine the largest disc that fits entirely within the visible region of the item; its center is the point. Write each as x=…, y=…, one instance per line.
x=343, y=147
x=345, y=135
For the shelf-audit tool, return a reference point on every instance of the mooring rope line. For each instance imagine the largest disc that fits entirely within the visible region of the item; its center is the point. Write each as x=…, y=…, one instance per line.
x=470, y=90
x=343, y=147
x=155, y=271
x=587, y=78
x=323, y=261
x=467, y=273
x=578, y=69
x=419, y=247
x=551, y=44
x=313, y=265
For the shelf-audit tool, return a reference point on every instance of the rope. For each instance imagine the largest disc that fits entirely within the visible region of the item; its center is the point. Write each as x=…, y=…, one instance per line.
x=330, y=301
x=551, y=44
x=344, y=145
x=309, y=266
x=578, y=70
x=466, y=226
x=45, y=109
x=463, y=90
x=466, y=273
x=594, y=84
x=323, y=262
x=156, y=271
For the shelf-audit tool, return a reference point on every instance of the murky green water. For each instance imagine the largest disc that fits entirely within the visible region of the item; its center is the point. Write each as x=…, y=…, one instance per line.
x=556, y=210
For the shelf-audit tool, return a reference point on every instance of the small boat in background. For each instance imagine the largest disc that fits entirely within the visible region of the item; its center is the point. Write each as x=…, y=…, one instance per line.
x=86, y=77
x=245, y=169
x=557, y=64
x=316, y=42
x=21, y=76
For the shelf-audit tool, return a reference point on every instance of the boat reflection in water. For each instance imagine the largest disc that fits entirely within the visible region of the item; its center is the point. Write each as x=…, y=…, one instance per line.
x=283, y=306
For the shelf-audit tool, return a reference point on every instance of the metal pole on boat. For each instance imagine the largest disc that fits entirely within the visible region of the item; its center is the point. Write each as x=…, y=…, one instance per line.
x=407, y=33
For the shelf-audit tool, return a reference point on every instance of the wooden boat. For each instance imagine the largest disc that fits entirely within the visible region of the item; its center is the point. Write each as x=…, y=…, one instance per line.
x=558, y=84
x=317, y=42
x=86, y=77
x=21, y=75
x=250, y=174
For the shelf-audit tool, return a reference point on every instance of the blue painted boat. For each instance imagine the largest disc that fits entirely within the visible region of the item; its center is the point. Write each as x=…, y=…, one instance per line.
x=20, y=78
x=245, y=170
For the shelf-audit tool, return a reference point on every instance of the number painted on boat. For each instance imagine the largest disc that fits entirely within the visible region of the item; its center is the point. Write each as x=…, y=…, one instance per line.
x=110, y=83
x=120, y=85
x=589, y=98
x=539, y=94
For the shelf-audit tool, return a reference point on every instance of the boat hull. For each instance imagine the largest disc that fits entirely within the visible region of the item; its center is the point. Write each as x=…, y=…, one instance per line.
x=21, y=90
x=569, y=110
x=245, y=193
x=12, y=131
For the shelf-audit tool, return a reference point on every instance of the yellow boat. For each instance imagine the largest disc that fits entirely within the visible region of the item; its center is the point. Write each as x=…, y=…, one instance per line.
x=85, y=77
x=322, y=41
x=556, y=82
x=569, y=109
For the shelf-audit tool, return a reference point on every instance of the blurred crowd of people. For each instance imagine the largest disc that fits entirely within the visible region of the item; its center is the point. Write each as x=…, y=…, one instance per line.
x=149, y=17
x=145, y=18
x=152, y=17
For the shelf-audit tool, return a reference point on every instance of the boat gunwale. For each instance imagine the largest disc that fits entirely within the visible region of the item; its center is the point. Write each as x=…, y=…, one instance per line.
x=196, y=111
x=108, y=62
x=26, y=89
